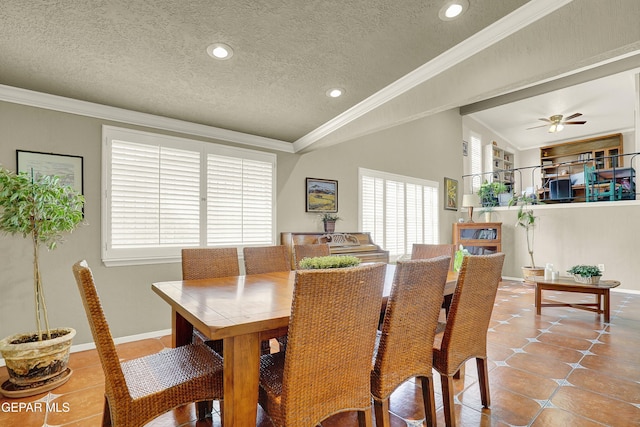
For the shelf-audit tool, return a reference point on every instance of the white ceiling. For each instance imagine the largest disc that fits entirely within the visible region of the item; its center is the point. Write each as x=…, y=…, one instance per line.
x=150, y=56
x=607, y=105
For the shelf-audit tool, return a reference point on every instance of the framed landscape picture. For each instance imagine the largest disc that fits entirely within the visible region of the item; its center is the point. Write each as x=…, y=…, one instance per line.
x=68, y=168
x=321, y=195
x=450, y=194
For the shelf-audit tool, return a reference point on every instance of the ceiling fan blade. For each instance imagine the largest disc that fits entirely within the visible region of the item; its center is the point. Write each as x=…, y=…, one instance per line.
x=546, y=120
x=573, y=116
x=579, y=122
x=535, y=127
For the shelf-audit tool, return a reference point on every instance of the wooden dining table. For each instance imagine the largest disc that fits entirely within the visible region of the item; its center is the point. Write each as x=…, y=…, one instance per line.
x=242, y=311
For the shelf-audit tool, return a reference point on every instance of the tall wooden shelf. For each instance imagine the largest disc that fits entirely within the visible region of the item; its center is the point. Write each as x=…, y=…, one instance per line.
x=570, y=157
x=499, y=162
x=479, y=238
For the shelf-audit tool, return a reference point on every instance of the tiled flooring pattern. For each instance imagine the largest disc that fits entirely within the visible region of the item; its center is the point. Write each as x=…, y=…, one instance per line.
x=565, y=367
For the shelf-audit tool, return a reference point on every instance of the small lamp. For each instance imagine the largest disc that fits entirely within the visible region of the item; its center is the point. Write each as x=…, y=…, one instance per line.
x=469, y=201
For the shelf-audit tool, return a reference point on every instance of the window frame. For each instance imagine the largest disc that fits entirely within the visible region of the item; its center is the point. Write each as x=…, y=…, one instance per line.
x=435, y=225
x=158, y=255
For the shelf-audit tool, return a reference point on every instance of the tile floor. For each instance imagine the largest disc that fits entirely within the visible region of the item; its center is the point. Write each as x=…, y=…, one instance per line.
x=565, y=367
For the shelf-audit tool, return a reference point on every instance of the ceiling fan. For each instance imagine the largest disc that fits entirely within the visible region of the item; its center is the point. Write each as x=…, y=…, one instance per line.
x=556, y=122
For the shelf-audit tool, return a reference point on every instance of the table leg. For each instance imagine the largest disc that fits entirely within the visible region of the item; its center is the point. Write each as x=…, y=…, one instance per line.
x=181, y=330
x=538, y=298
x=606, y=306
x=241, y=379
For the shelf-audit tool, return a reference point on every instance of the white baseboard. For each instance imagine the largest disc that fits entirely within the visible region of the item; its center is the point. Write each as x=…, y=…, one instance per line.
x=92, y=345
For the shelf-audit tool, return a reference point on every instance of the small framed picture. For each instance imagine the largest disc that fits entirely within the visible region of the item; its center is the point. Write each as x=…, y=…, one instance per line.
x=68, y=168
x=465, y=148
x=450, y=194
x=321, y=195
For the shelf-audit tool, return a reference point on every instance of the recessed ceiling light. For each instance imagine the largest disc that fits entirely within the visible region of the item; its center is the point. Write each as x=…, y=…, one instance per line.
x=335, y=92
x=220, y=51
x=453, y=9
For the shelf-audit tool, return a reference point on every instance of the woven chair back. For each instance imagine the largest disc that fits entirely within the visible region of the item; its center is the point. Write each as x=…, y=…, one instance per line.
x=426, y=251
x=310, y=251
x=266, y=259
x=332, y=332
x=409, y=325
x=209, y=263
x=115, y=384
x=465, y=333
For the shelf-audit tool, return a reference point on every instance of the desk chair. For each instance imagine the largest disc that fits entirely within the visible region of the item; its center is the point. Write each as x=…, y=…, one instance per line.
x=406, y=339
x=596, y=189
x=326, y=367
x=560, y=189
x=139, y=390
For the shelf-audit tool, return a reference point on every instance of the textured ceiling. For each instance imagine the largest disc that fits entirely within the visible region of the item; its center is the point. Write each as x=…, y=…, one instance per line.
x=150, y=56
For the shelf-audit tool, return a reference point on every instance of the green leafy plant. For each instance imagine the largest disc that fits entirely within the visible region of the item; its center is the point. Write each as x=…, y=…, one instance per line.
x=329, y=261
x=585, y=270
x=458, y=257
x=42, y=210
x=526, y=219
x=488, y=193
x=327, y=216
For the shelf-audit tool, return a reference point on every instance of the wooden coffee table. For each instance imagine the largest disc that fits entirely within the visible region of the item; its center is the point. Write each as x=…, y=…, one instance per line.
x=567, y=284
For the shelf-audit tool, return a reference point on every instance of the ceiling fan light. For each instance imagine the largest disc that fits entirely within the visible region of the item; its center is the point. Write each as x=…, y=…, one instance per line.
x=553, y=128
x=559, y=127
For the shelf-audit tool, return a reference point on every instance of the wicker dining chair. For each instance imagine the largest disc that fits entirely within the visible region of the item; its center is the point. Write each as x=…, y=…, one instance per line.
x=309, y=251
x=465, y=333
x=332, y=331
x=207, y=263
x=266, y=259
x=406, y=340
x=139, y=390
x=425, y=251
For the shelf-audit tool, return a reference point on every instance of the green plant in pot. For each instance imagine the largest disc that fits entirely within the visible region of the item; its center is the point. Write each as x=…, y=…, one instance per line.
x=585, y=273
x=528, y=221
x=329, y=261
x=329, y=221
x=41, y=210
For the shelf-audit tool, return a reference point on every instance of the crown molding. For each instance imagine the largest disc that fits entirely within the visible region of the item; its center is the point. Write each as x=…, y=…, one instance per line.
x=515, y=21
x=83, y=108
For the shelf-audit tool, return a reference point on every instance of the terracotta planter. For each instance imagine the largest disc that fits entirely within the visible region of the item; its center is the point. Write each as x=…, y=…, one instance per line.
x=529, y=273
x=32, y=363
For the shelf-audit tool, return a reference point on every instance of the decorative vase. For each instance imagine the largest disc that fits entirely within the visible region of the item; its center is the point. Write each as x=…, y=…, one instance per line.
x=33, y=364
x=592, y=280
x=531, y=273
x=329, y=226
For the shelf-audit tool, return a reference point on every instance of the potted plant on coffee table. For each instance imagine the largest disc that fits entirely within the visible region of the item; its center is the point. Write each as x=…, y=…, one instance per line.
x=41, y=210
x=588, y=274
x=528, y=221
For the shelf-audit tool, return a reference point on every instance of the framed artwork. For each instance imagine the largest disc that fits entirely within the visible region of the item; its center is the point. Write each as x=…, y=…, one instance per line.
x=465, y=148
x=321, y=195
x=450, y=194
x=69, y=169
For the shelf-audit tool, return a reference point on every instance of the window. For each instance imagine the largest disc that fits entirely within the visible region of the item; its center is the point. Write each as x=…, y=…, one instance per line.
x=163, y=193
x=397, y=210
x=476, y=162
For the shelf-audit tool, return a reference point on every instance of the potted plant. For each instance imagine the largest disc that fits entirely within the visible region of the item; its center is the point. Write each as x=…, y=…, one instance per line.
x=329, y=261
x=527, y=220
x=40, y=210
x=589, y=274
x=329, y=221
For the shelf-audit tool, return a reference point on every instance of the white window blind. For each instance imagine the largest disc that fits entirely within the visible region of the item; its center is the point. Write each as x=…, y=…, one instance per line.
x=164, y=193
x=476, y=162
x=397, y=210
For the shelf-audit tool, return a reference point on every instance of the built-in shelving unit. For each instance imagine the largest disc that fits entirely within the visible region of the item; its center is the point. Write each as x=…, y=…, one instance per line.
x=499, y=163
